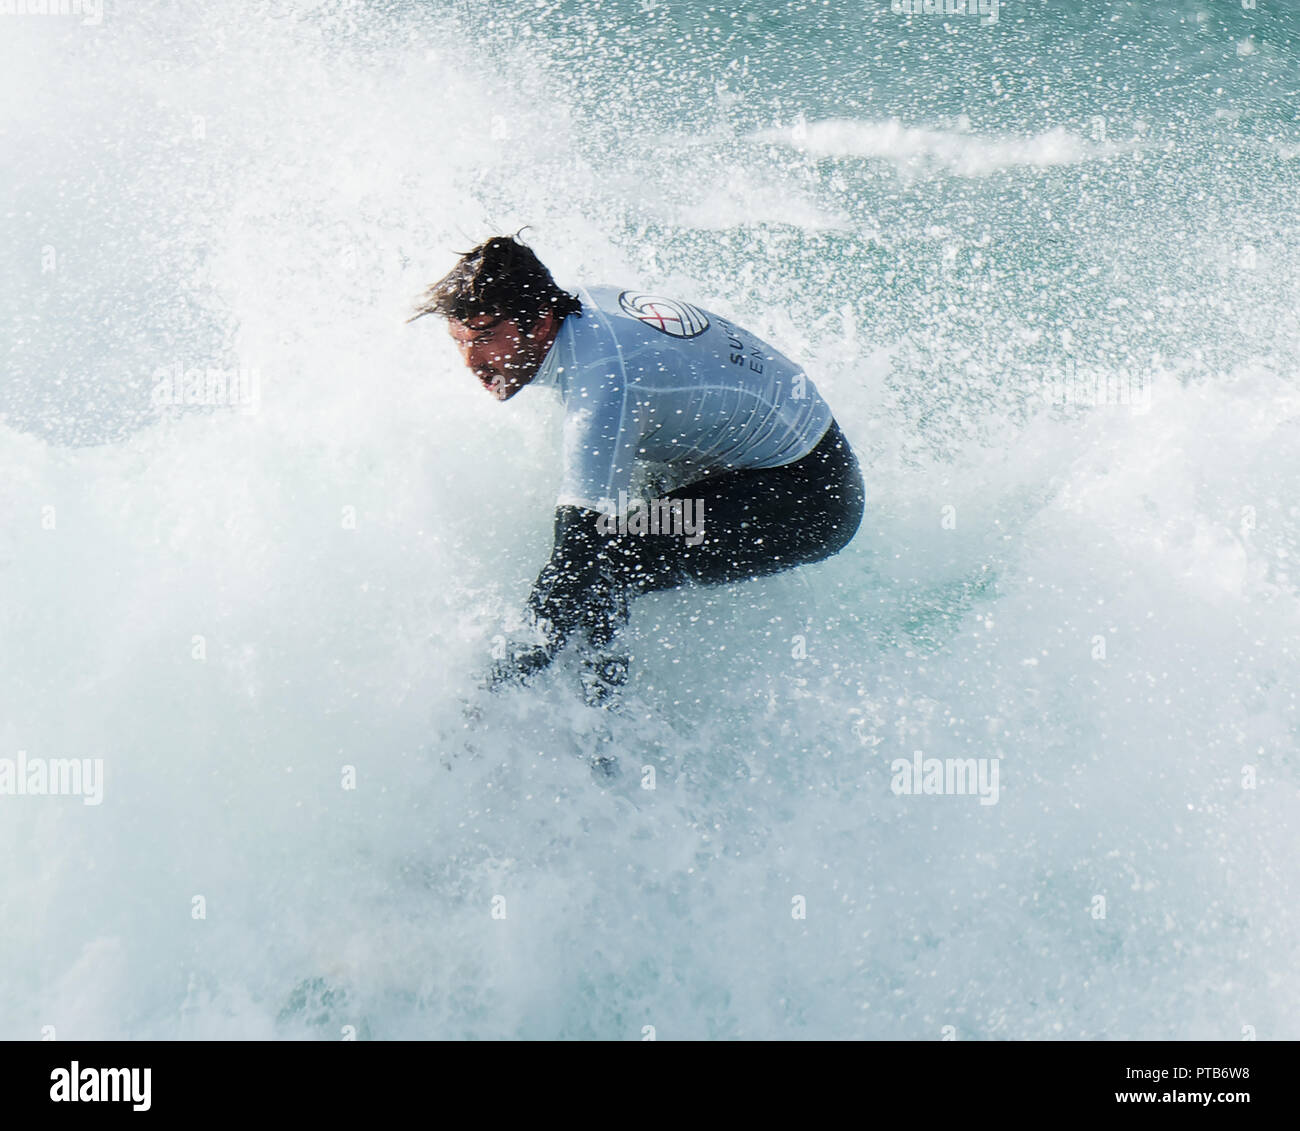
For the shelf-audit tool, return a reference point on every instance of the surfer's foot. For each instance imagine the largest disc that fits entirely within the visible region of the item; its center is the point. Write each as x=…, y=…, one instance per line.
x=603, y=677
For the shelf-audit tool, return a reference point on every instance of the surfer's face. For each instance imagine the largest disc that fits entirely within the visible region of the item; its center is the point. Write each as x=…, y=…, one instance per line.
x=503, y=357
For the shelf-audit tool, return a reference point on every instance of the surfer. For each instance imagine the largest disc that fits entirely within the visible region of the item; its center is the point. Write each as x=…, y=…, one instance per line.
x=754, y=473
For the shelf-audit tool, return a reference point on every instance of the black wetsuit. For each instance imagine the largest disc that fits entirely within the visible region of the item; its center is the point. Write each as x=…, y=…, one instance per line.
x=655, y=382
x=755, y=522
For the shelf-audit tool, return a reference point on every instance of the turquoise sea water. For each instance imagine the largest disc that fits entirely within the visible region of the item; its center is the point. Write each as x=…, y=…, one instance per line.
x=1044, y=269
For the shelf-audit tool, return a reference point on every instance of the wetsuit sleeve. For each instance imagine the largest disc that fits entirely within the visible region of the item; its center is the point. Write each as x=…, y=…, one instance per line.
x=580, y=587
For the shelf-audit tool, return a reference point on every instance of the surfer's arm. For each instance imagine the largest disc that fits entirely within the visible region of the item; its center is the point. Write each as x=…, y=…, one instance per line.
x=577, y=583
x=577, y=587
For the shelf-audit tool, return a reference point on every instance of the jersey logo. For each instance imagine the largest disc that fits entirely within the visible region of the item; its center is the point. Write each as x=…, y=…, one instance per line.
x=676, y=319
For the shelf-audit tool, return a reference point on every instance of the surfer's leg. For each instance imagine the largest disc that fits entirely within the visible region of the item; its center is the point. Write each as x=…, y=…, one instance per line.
x=756, y=522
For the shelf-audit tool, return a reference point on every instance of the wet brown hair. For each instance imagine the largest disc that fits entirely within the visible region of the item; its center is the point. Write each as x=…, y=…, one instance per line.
x=501, y=277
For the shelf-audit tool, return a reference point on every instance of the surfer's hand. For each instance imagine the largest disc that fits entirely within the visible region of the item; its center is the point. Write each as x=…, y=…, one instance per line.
x=521, y=663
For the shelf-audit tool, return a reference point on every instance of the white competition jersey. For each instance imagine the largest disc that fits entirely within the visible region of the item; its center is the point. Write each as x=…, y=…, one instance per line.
x=652, y=379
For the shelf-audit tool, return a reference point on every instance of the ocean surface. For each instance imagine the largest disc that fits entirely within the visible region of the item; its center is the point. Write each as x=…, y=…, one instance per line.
x=1044, y=267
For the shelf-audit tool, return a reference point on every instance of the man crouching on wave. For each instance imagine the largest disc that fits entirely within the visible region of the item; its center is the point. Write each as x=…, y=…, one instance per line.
x=766, y=479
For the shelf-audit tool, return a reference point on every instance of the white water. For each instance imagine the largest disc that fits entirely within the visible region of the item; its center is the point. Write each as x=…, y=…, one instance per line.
x=330, y=183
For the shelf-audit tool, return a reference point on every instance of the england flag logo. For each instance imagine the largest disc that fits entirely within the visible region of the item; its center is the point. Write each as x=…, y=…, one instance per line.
x=677, y=319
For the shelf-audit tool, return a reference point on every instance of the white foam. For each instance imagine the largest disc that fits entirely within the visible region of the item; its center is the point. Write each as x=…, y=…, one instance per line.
x=920, y=149
x=342, y=179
